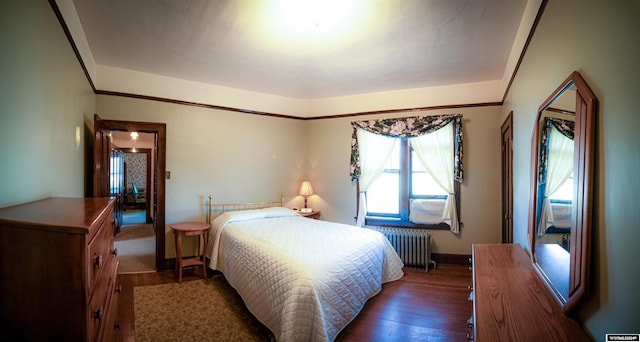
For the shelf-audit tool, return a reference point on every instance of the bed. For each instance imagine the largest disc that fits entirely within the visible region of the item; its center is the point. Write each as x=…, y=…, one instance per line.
x=304, y=279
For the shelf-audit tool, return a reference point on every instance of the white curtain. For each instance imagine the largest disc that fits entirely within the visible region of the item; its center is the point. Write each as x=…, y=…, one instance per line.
x=435, y=152
x=374, y=152
x=559, y=168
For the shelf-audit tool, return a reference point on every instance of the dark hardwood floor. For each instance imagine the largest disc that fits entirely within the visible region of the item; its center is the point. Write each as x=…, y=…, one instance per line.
x=421, y=306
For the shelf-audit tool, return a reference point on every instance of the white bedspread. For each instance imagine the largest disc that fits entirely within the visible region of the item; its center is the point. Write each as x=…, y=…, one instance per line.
x=304, y=279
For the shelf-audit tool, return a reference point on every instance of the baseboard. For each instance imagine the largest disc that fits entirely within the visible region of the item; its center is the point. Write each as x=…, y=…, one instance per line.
x=167, y=265
x=451, y=259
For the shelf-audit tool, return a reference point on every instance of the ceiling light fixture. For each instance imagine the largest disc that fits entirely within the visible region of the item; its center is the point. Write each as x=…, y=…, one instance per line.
x=293, y=17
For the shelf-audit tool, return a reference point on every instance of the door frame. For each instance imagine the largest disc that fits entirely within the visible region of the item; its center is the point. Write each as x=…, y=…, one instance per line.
x=507, y=178
x=159, y=196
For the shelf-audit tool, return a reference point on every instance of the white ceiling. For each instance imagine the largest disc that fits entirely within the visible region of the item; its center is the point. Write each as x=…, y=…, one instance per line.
x=360, y=46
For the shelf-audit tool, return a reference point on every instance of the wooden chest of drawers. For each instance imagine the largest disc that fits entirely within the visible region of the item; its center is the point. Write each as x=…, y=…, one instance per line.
x=58, y=271
x=510, y=302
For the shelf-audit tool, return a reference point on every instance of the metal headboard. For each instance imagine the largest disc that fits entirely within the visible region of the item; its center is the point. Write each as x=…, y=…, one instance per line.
x=216, y=210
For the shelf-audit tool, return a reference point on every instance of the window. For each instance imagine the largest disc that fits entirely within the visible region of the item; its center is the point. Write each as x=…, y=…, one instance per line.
x=564, y=193
x=555, y=192
x=560, y=162
x=397, y=164
x=423, y=185
x=404, y=181
x=383, y=196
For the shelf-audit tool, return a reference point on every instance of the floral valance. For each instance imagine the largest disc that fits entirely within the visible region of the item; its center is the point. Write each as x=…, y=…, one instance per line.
x=566, y=127
x=408, y=127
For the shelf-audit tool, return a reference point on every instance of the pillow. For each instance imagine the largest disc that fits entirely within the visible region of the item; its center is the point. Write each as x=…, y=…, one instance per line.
x=278, y=212
x=253, y=214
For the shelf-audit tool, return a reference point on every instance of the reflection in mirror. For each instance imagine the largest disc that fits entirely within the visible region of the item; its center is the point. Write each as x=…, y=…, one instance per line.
x=560, y=209
x=555, y=189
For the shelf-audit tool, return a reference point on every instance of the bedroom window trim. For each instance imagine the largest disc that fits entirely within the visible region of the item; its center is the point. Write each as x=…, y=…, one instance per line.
x=381, y=136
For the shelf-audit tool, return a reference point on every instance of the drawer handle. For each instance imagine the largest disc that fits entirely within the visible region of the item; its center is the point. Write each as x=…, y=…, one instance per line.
x=470, y=268
x=98, y=313
x=115, y=252
x=469, y=337
x=97, y=261
x=117, y=325
x=119, y=289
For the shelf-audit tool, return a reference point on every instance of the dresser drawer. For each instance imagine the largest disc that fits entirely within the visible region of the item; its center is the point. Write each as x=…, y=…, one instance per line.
x=110, y=332
x=100, y=251
x=98, y=312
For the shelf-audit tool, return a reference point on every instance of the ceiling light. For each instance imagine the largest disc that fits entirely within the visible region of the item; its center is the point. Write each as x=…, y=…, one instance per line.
x=293, y=17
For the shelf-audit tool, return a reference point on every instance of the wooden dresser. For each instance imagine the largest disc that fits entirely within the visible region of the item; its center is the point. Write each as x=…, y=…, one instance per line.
x=58, y=271
x=510, y=301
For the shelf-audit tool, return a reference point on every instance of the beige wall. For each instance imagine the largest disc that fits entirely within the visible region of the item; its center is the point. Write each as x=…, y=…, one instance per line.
x=600, y=39
x=329, y=152
x=235, y=157
x=44, y=97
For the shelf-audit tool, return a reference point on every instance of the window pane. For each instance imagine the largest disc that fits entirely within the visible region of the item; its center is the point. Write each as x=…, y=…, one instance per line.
x=422, y=184
x=382, y=196
x=394, y=162
x=565, y=192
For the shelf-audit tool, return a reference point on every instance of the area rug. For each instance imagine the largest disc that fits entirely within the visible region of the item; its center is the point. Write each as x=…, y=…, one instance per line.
x=200, y=310
x=136, y=246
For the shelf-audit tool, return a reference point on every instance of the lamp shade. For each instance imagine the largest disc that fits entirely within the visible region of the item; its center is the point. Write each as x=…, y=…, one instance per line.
x=306, y=189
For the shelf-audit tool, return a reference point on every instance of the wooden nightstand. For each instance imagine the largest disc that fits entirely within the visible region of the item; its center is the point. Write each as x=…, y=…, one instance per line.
x=313, y=215
x=198, y=229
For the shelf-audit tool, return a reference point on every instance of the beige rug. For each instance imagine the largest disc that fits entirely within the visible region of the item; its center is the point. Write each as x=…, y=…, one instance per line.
x=201, y=310
x=136, y=246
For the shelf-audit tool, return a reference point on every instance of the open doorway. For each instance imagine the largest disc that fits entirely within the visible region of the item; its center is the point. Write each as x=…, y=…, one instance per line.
x=135, y=240
x=154, y=204
x=138, y=149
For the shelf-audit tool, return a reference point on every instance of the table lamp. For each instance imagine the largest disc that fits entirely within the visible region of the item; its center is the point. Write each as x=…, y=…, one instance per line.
x=305, y=191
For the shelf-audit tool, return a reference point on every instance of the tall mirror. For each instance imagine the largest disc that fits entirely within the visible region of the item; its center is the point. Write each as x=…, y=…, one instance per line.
x=561, y=189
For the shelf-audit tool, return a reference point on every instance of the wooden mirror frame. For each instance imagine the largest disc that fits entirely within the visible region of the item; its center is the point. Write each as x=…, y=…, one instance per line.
x=581, y=219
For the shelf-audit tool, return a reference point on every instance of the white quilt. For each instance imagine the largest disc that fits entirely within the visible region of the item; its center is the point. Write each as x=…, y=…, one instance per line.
x=304, y=279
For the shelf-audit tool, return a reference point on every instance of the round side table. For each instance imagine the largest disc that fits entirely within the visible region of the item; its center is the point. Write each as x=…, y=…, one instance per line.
x=198, y=229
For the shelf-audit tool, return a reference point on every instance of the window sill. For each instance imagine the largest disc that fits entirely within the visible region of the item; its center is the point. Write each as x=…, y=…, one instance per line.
x=398, y=223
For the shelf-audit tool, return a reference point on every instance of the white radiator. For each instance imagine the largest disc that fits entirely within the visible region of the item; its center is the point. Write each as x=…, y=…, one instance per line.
x=412, y=245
